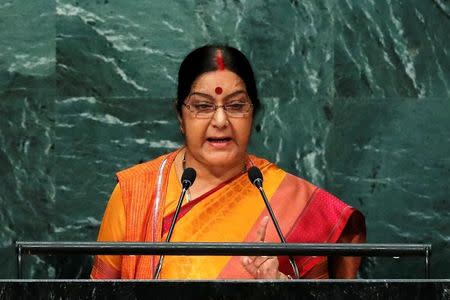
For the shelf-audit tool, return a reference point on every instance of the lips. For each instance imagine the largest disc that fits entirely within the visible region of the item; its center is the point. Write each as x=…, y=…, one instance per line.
x=218, y=139
x=219, y=142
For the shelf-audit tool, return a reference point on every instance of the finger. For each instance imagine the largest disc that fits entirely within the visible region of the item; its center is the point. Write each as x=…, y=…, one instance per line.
x=268, y=269
x=250, y=267
x=261, y=232
x=245, y=260
x=259, y=260
x=260, y=236
x=262, y=267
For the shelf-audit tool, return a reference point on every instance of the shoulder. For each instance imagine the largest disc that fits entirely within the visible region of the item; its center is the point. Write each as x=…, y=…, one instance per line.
x=297, y=184
x=289, y=181
x=144, y=169
x=340, y=213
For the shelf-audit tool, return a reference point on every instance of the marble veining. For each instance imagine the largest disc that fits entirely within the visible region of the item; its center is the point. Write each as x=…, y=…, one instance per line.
x=355, y=98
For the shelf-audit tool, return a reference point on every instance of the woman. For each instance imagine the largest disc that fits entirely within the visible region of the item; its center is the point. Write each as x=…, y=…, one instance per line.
x=216, y=103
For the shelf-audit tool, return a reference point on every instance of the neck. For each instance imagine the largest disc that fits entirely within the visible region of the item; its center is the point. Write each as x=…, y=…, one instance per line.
x=208, y=176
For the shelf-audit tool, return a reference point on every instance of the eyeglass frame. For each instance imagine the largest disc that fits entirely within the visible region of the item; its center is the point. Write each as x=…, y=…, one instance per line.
x=216, y=107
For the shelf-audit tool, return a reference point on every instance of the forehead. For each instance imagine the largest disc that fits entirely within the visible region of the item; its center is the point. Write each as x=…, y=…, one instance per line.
x=227, y=80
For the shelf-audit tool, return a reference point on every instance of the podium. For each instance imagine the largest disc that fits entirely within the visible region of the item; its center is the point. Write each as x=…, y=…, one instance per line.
x=254, y=289
x=224, y=289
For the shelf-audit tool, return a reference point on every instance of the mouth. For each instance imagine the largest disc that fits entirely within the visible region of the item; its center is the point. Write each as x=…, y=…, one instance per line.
x=218, y=140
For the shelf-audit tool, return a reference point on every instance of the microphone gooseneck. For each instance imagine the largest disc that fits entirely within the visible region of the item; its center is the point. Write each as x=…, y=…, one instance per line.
x=187, y=180
x=256, y=178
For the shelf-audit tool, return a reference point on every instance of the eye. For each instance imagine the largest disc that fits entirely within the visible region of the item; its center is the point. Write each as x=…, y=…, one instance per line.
x=203, y=106
x=236, y=106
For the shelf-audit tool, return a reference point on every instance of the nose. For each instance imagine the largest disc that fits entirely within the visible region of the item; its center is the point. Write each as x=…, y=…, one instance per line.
x=220, y=118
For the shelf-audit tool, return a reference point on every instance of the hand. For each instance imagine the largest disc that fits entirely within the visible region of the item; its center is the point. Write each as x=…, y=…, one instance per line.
x=262, y=267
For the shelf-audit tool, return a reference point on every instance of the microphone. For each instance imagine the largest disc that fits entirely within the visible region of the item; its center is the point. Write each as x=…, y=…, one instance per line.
x=256, y=178
x=187, y=179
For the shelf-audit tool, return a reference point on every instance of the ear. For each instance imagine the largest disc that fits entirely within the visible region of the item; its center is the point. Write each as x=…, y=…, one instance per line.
x=179, y=117
x=181, y=125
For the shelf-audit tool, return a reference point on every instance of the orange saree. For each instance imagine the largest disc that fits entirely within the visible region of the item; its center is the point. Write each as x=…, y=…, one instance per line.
x=142, y=205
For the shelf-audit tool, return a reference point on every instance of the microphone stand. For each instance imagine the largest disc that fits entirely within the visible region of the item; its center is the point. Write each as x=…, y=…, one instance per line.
x=171, y=228
x=258, y=184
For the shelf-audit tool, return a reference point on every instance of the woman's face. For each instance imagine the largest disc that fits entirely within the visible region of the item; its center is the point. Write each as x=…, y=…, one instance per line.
x=221, y=140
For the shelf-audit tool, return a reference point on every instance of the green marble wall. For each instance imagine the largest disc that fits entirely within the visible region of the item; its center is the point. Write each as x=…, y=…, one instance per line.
x=355, y=92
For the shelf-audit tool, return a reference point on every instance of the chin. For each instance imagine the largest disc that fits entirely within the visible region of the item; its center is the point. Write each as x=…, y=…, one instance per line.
x=225, y=159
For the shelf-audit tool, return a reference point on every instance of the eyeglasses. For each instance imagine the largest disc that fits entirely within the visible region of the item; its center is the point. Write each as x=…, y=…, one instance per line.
x=205, y=110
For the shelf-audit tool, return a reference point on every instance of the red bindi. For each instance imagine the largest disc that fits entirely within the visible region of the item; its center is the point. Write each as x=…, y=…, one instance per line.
x=218, y=90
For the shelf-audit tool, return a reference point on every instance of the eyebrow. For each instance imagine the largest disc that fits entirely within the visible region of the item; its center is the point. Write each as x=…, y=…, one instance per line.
x=225, y=98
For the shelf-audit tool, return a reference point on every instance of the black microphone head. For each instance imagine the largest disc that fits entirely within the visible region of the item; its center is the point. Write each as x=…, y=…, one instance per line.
x=255, y=176
x=188, y=177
